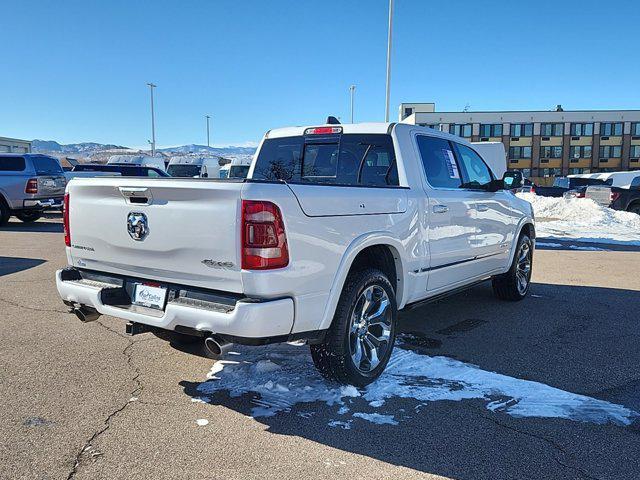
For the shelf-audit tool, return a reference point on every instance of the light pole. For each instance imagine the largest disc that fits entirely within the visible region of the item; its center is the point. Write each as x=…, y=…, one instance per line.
x=352, y=90
x=153, y=122
x=386, y=114
x=207, y=117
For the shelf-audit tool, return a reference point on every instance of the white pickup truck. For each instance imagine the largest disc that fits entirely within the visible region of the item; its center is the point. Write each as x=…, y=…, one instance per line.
x=335, y=229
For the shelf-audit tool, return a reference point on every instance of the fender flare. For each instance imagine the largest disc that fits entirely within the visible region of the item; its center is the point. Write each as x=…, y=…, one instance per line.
x=355, y=247
x=524, y=221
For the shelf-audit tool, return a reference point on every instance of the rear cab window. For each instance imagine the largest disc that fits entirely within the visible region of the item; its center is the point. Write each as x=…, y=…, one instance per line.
x=46, y=166
x=337, y=159
x=12, y=164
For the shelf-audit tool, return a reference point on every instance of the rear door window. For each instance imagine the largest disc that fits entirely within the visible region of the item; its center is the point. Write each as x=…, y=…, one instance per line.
x=439, y=162
x=46, y=166
x=12, y=164
x=349, y=159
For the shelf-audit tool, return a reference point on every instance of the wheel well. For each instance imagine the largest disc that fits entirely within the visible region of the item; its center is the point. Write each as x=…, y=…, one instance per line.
x=633, y=204
x=383, y=257
x=529, y=229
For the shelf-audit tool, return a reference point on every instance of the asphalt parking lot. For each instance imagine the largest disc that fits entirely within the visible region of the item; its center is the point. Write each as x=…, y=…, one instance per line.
x=86, y=401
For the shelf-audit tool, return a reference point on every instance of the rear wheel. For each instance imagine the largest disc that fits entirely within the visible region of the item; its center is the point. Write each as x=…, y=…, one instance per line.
x=635, y=208
x=29, y=216
x=4, y=212
x=514, y=285
x=360, y=340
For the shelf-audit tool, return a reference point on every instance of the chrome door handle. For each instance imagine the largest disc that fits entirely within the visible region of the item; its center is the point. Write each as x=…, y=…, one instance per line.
x=481, y=207
x=440, y=209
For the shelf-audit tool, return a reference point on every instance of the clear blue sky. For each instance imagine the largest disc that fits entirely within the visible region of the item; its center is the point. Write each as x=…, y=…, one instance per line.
x=76, y=70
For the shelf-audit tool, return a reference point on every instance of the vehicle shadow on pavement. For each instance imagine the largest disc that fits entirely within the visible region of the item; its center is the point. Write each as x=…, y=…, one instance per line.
x=562, y=336
x=35, y=227
x=593, y=245
x=9, y=265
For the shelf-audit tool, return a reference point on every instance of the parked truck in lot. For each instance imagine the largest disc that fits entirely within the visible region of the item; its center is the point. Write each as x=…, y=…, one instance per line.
x=29, y=184
x=335, y=229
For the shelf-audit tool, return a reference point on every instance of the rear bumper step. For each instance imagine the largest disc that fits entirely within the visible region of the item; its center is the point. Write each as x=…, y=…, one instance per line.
x=186, y=307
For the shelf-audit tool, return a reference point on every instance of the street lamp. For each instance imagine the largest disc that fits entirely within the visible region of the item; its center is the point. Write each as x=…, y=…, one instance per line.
x=207, y=117
x=386, y=114
x=153, y=122
x=352, y=90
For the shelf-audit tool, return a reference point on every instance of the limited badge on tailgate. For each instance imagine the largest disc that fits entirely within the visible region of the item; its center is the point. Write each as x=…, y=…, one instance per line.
x=149, y=295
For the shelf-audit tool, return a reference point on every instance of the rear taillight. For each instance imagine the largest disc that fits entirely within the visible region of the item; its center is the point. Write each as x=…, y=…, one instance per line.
x=264, y=242
x=65, y=220
x=614, y=196
x=579, y=194
x=32, y=186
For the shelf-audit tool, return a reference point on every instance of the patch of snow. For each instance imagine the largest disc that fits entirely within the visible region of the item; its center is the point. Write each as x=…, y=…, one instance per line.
x=582, y=219
x=377, y=418
x=408, y=375
x=548, y=244
x=202, y=422
x=338, y=423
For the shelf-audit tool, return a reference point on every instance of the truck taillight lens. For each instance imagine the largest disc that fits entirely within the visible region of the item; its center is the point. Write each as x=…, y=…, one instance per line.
x=65, y=220
x=32, y=186
x=614, y=196
x=264, y=242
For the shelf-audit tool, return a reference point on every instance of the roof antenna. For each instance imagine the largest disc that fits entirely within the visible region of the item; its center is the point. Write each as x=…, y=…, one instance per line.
x=331, y=120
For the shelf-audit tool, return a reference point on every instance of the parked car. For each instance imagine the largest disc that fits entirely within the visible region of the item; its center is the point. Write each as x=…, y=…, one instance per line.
x=99, y=170
x=336, y=229
x=140, y=160
x=618, y=198
x=29, y=184
x=562, y=185
x=237, y=168
x=201, y=167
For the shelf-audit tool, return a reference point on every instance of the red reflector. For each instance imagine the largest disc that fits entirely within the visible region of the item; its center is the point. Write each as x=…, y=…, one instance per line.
x=32, y=186
x=264, y=242
x=323, y=130
x=614, y=196
x=65, y=221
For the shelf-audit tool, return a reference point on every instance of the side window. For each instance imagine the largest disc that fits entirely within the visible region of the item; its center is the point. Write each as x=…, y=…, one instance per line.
x=439, y=162
x=12, y=164
x=152, y=173
x=475, y=171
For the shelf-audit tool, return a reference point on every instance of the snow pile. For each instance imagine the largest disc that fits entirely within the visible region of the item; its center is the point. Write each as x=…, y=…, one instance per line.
x=582, y=219
x=283, y=376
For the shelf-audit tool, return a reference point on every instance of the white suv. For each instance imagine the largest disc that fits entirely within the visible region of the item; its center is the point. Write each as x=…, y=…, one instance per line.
x=336, y=228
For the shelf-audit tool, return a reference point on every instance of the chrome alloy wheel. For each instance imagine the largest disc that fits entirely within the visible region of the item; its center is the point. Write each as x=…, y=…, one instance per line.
x=370, y=329
x=523, y=268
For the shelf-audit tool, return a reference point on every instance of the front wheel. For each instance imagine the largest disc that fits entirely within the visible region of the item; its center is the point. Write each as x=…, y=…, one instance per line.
x=28, y=216
x=360, y=340
x=514, y=285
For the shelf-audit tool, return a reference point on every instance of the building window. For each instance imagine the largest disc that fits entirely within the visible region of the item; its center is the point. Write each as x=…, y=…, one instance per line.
x=583, y=151
x=635, y=129
x=551, y=152
x=611, y=129
x=526, y=172
x=611, y=151
x=550, y=172
x=491, y=130
x=522, y=129
x=408, y=111
x=582, y=129
x=460, y=129
x=435, y=126
x=578, y=171
x=551, y=129
x=519, y=152
x=635, y=151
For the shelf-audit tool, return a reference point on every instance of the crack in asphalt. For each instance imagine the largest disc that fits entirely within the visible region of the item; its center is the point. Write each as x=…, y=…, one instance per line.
x=87, y=448
x=548, y=441
x=35, y=309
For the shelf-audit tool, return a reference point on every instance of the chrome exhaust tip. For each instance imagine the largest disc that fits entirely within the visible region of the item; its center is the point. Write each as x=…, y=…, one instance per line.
x=216, y=346
x=86, y=314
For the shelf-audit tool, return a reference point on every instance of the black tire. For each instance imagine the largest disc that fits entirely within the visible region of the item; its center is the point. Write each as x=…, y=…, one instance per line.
x=4, y=212
x=29, y=216
x=634, y=208
x=333, y=358
x=177, y=338
x=508, y=286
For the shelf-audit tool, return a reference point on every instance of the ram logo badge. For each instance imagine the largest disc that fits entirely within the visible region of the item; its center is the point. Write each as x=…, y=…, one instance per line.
x=137, y=225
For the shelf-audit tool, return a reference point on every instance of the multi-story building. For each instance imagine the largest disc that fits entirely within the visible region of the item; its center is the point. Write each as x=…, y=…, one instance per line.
x=545, y=143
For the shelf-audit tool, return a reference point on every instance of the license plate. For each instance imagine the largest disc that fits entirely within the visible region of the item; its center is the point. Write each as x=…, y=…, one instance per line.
x=149, y=296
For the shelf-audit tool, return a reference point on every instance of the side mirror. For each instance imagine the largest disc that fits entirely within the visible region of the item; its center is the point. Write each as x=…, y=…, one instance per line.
x=512, y=180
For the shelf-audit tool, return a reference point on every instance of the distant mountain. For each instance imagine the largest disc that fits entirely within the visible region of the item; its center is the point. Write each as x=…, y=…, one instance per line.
x=82, y=148
x=222, y=151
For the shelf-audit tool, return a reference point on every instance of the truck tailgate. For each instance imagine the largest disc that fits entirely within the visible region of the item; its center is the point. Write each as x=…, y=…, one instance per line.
x=181, y=231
